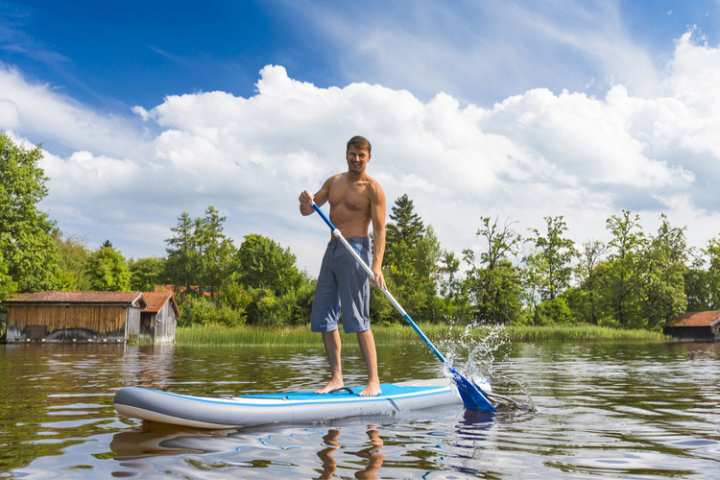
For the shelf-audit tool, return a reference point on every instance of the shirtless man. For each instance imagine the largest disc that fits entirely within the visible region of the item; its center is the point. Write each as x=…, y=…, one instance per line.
x=356, y=199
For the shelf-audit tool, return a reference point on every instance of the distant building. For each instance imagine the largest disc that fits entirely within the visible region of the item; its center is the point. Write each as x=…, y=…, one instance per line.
x=90, y=316
x=695, y=326
x=159, y=317
x=73, y=316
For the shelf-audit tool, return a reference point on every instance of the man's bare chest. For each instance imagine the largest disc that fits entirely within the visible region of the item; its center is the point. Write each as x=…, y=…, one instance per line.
x=354, y=196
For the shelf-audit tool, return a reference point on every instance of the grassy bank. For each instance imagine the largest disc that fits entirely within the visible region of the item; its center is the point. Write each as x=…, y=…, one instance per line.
x=389, y=334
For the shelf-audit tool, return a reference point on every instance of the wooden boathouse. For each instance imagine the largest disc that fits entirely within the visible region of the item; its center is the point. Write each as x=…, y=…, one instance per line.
x=695, y=326
x=73, y=316
x=159, y=317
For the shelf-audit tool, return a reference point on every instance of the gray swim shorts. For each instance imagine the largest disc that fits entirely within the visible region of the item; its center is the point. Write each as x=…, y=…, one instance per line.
x=342, y=286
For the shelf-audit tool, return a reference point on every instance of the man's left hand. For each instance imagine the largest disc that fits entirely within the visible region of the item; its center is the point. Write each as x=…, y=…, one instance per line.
x=379, y=279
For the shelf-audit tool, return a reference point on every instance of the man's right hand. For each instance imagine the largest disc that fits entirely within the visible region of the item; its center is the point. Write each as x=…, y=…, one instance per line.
x=306, y=201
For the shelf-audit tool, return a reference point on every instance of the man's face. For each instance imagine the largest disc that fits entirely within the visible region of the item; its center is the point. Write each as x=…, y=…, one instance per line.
x=357, y=159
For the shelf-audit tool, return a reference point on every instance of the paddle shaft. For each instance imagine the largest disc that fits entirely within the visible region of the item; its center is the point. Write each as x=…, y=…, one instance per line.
x=337, y=234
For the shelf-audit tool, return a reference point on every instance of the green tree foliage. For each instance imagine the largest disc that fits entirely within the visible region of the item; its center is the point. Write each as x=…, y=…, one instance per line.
x=411, y=263
x=713, y=254
x=553, y=311
x=552, y=259
x=702, y=278
x=291, y=308
x=199, y=253
x=182, y=265
x=698, y=285
x=663, y=274
x=454, y=303
x=198, y=310
x=108, y=270
x=214, y=251
x=586, y=300
x=73, y=258
x=6, y=282
x=145, y=273
x=624, y=276
x=494, y=285
x=269, y=285
x=26, y=242
x=262, y=263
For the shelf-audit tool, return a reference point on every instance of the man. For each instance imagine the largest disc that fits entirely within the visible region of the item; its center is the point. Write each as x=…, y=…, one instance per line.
x=356, y=200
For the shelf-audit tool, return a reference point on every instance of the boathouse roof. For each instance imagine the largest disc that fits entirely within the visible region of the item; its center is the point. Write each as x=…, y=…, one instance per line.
x=155, y=301
x=696, y=319
x=75, y=297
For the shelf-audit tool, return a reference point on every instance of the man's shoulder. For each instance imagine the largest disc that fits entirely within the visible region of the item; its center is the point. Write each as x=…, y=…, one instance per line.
x=334, y=178
x=374, y=186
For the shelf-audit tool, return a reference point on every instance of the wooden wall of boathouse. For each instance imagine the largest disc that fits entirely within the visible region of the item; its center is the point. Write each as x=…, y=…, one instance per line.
x=98, y=318
x=73, y=316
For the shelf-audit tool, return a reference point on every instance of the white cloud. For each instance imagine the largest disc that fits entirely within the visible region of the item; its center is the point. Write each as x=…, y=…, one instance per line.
x=47, y=116
x=530, y=155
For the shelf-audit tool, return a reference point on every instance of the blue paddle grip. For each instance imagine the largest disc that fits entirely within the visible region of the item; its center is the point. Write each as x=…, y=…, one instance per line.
x=324, y=217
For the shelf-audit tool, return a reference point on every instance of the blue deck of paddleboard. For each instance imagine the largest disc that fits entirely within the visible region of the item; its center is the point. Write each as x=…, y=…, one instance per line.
x=387, y=390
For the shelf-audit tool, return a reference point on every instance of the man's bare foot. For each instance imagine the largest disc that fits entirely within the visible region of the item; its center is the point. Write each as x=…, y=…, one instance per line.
x=332, y=385
x=372, y=389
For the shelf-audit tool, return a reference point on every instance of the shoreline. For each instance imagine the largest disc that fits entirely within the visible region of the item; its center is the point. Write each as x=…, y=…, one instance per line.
x=397, y=333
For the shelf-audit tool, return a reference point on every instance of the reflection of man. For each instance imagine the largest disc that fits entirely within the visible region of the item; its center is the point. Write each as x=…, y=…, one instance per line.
x=356, y=200
x=373, y=453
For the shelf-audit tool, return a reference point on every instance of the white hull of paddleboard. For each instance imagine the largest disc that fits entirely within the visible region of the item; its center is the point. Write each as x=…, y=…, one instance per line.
x=237, y=412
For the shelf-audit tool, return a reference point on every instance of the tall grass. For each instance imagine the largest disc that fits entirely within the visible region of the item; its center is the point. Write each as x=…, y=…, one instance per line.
x=396, y=333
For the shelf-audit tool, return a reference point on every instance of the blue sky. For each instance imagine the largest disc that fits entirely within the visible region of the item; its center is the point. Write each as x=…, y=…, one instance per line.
x=117, y=54
x=514, y=109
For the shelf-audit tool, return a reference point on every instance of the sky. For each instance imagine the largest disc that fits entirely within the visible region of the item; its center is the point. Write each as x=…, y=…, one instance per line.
x=510, y=109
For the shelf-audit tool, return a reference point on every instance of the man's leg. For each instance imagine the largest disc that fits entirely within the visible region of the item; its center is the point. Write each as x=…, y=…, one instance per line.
x=333, y=345
x=367, y=347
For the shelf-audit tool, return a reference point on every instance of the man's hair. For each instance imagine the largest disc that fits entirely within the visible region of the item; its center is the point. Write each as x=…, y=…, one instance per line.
x=359, y=142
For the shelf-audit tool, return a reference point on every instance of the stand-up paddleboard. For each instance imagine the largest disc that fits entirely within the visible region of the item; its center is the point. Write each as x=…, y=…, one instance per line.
x=289, y=407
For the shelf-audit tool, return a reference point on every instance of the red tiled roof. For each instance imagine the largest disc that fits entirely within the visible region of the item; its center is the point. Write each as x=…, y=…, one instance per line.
x=74, y=297
x=696, y=319
x=154, y=301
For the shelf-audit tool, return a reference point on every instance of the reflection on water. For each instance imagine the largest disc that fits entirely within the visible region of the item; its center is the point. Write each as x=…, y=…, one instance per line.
x=603, y=411
x=372, y=453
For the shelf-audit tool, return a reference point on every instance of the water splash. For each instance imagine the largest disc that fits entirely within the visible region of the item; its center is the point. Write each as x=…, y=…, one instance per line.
x=483, y=357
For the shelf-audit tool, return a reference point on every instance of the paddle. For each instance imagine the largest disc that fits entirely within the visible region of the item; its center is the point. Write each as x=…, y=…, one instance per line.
x=473, y=397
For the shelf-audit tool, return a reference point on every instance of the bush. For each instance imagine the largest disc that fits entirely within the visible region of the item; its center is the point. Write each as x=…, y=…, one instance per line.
x=553, y=311
x=201, y=311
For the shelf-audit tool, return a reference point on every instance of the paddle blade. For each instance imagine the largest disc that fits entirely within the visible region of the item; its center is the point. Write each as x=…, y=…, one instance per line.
x=473, y=398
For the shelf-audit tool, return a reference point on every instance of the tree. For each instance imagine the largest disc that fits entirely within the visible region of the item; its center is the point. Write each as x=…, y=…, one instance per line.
x=412, y=254
x=624, y=290
x=405, y=225
x=262, y=263
x=698, y=284
x=108, y=270
x=663, y=274
x=702, y=278
x=713, y=254
x=73, y=257
x=552, y=260
x=26, y=241
x=6, y=282
x=214, y=251
x=586, y=300
x=182, y=255
x=145, y=273
x=450, y=282
x=494, y=286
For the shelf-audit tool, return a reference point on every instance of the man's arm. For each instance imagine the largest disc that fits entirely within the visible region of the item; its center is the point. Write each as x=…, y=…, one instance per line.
x=306, y=200
x=378, y=209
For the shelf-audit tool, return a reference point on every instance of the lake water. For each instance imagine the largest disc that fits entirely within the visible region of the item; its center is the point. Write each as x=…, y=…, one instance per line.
x=602, y=411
